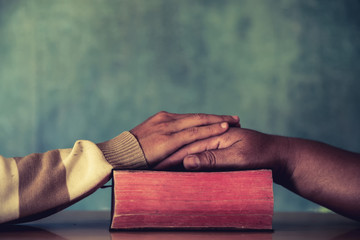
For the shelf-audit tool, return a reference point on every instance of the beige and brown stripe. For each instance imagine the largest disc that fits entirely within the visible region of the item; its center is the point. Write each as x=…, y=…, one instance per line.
x=40, y=184
x=35, y=170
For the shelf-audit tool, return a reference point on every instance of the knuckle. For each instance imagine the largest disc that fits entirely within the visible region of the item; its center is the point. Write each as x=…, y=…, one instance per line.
x=161, y=115
x=193, y=131
x=199, y=116
x=210, y=159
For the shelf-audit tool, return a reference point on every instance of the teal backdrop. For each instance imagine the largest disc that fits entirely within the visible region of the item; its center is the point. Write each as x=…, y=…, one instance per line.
x=90, y=69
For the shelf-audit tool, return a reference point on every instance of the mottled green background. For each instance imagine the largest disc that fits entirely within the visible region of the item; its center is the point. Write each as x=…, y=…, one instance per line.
x=90, y=69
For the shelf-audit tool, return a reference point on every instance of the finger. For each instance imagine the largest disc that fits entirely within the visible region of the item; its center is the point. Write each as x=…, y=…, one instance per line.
x=171, y=143
x=195, y=120
x=212, y=160
x=224, y=140
x=197, y=147
x=185, y=115
x=193, y=134
x=166, y=116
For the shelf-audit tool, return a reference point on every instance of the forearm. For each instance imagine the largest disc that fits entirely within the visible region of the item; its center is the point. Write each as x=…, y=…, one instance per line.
x=43, y=183
x=40, y=184
x=321, y=173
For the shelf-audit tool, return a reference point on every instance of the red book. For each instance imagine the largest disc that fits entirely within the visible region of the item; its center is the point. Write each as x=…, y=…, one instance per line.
x=192, y=200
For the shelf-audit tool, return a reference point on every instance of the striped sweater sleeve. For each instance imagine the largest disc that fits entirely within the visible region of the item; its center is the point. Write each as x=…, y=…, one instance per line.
x=40, y=184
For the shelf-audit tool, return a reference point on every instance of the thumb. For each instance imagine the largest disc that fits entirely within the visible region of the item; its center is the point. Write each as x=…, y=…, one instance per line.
x=210, y=160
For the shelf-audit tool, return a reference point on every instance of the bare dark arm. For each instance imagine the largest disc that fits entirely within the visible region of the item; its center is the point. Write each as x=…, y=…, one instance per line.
x=319, y=172
x=324, y=174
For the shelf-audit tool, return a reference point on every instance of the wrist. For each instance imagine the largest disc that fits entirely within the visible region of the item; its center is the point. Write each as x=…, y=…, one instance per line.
x=124, y=152
x=281, y=152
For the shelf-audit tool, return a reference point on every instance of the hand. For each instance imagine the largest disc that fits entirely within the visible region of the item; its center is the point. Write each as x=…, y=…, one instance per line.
x=164, y=133
x=316, y=171
x=236, y=149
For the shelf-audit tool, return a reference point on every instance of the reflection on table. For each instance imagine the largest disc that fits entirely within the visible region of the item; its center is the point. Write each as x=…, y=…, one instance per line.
x=95, y=225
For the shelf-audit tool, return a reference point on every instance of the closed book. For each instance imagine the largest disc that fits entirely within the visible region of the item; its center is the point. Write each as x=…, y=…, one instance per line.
x=192, y=200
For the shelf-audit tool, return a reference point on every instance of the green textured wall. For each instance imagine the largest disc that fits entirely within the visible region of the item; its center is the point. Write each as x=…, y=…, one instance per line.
x=89, y=69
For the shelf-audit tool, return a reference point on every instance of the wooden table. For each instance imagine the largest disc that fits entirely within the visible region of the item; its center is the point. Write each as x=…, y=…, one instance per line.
x=94, y=225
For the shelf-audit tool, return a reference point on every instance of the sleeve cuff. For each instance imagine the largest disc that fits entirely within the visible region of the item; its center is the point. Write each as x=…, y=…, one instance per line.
x=124, y=152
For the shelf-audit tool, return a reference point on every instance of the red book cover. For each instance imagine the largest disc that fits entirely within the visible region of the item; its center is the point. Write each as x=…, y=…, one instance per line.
x=192, y=200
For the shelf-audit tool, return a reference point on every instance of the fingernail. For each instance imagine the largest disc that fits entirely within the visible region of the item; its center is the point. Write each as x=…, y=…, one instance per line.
x=224, y=125
x=236, y=118
x=191, y=162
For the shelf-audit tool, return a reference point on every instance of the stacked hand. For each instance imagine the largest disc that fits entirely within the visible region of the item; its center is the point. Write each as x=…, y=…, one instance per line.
x=165, y=133
x=233, y=150
x=207, y=142
x=199, y=142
